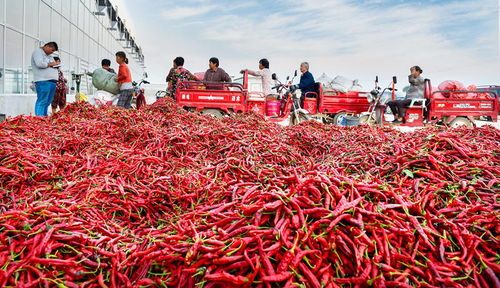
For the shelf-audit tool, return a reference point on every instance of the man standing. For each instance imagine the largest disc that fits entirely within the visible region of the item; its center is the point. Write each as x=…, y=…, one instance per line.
x=61, y=89
x=45, y=76
x=265, y=74
x=215, y=74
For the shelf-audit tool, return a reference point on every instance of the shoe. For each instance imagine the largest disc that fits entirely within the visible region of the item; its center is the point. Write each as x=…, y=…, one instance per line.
x=396, y=122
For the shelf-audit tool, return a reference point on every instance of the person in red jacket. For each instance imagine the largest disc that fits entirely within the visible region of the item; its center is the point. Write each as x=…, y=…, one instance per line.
x=125, y=80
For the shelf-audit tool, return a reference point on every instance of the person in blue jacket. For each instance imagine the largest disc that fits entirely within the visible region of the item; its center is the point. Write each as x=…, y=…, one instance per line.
x=306, y=83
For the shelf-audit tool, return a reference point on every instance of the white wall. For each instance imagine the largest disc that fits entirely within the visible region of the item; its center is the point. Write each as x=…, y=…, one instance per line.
x=14, y=104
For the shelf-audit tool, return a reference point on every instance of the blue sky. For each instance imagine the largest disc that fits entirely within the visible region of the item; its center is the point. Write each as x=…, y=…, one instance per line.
x=449, y=39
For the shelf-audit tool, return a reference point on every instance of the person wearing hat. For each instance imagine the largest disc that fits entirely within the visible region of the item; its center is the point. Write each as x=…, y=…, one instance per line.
x=61, y=87
x=45, y=76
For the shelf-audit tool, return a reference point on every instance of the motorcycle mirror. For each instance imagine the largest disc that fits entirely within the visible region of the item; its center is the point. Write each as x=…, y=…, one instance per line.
x=376, y=79
x=394, y=79
x=287, y=78
x=145, y=82
x=274, y=77
x=145, y=74
x=295, y=74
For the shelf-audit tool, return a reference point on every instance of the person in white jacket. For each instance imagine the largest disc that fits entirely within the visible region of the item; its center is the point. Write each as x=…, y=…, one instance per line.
x=265, y=74
x=45, y=76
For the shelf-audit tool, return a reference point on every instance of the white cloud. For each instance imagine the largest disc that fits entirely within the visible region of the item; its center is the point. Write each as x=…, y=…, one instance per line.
x=336, y=37
x=187, y=12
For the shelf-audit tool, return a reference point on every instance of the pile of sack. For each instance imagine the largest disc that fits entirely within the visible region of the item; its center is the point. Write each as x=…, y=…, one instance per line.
x=340, y=83
x=453, y=85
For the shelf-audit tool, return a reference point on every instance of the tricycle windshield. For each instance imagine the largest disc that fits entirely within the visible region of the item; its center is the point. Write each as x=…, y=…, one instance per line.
x=254, y=83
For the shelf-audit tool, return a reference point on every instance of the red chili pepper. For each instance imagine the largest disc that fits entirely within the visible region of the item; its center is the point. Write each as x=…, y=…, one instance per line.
x=163, y=196
x=283, y=276
x=226, y=277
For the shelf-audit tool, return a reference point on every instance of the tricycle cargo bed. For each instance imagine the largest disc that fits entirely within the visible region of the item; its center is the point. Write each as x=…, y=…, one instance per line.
x=335, y=102
x=230, y=97
x=464, y=107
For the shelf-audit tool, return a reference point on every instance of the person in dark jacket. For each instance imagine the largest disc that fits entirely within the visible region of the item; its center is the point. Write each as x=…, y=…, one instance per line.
x=306, y=83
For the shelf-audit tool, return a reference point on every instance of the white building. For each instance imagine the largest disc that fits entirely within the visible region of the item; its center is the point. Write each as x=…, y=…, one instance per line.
x=86, y=32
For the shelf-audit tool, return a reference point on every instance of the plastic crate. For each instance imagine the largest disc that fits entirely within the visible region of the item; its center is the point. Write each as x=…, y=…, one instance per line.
x=350, y=121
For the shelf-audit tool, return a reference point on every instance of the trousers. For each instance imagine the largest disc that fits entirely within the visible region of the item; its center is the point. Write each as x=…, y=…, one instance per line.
x=399, y=107
x=45, y=91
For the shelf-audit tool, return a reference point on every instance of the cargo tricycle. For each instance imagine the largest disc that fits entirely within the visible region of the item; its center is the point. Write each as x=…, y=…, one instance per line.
x=220, y=99
x=448, y=108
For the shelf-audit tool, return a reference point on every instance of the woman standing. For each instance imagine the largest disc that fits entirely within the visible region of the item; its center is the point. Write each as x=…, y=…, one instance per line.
x=125, y=80
x=61, y=90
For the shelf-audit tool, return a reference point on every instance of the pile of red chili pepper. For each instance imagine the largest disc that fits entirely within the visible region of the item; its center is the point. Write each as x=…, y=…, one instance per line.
x=159, y=197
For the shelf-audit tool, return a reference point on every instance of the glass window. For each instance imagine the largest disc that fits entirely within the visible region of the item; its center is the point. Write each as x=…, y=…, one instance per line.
x=56, y=28
x=66, y=9
x=65, y=34
x=73, y=41
x=65, y=62
x=30, y=45
x=13, y=63
x=88, y=18
x=81, y=15
x=31, y=27
x=45, y=17
x=2, y=11
x=72, y=69
x=74, y=11
x=93, y=52
x=15, y=15
x=93, y=27
x=1, y=57
x=65, y=67
x=56, y=4
x=86, y=43
x=81, y=41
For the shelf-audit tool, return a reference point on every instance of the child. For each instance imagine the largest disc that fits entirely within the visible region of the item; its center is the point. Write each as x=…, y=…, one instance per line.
x=125, y=80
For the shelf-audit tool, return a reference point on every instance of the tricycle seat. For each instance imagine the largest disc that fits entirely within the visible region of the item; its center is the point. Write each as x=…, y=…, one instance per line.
x=417, y=103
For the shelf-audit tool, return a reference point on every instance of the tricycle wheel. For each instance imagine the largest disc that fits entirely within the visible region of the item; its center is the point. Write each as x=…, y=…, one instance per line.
x=339, y=118
x=296, y=120
x=461, y=121
x=215, y=113
x=367, y=119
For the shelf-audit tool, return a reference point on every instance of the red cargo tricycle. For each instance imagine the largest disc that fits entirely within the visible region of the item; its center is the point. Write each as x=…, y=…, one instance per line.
x=220, y=99
x=452, y=111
